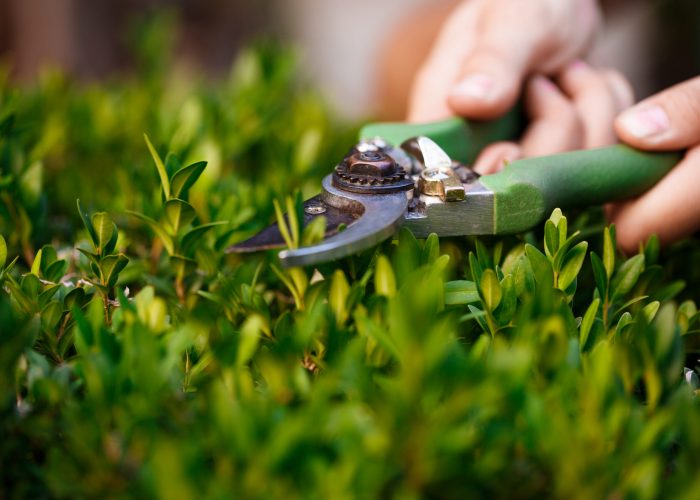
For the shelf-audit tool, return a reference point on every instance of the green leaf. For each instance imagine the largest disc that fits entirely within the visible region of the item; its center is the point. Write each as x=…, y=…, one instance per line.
x=56, y=271
x=572, y=265
x=384, y=280
x=629, y=303
x=293, y=220
x=563, y=250
x=36, y=265
x=625, y=320
x=649, y=311
x=541, y=267
x=158, y=229
x=483, y=254
x=551, y=239
x=162, y=172
x=314, y=231
x=87, y=224
x=475, y=267
x=93, y=258
x=509, y=302
x=587, y=323
x=608, y=252
x=461, y=292
x=556, y=216
x=338, y=296
x=178, y=214
x=251, y=333
x=104, y=229
x=431, y=249
x=110, y=268
x=490, y=288
x=651, y=250
x=478, y=315
x=193, y=235
x=183, y=179
x=283, y=226
x=3, y=252
x=627, y=276
x=74, y=298
x=601, y=280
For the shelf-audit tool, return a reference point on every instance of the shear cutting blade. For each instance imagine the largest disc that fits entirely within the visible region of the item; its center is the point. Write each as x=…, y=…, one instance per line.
x=369, y=220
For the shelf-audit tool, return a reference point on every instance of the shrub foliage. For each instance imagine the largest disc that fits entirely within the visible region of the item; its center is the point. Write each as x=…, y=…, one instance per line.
x=137, y=358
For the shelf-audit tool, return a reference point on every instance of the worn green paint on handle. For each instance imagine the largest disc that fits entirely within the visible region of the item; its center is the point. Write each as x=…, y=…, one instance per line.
x=527, y=190
x=461, y=139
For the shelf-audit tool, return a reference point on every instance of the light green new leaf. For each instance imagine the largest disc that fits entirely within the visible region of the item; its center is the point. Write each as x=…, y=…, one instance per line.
x=3, y=252
x=338, y=296
x=162, y=172
x=461, y=292
x=384, y=279
x=572, y=265
x=283, y=226
x=587, y=323
x=314, y=231
x=104, y=229
x=36, y=265
x=251, y=333
x=491, y=292
x=608, y=252
x=649, y=311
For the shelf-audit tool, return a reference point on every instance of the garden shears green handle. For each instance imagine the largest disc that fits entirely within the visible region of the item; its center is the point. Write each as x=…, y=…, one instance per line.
x=416, y=175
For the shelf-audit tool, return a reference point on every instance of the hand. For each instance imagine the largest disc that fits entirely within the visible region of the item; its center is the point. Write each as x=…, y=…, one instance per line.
x=487, y=49
x=575, y=109
x=667, y=121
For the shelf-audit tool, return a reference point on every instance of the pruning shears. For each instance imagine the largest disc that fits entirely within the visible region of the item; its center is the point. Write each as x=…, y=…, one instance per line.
x=417, y=175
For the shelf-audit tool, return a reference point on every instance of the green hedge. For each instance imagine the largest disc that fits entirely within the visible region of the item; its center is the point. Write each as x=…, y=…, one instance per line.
x=138, y=359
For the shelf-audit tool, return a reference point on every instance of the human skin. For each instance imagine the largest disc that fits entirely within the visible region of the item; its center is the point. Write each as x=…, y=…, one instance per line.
x=667, y=121
x=490, y=53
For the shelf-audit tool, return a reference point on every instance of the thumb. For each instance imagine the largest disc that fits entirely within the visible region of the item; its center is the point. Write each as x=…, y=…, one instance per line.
x=666, y=121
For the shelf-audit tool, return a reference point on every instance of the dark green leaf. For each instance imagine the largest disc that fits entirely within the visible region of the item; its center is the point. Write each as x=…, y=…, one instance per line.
x=183, y=179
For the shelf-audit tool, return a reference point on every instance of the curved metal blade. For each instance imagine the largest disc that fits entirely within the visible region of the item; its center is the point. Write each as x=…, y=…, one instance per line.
x=379, y=216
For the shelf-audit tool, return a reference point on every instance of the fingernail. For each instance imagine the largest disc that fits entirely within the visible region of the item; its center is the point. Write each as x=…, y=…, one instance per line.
x=475, y=86
x=646, y=121
x=578, y=64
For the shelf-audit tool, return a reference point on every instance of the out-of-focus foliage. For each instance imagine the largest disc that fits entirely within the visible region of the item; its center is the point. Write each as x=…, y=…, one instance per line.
x=138, y=359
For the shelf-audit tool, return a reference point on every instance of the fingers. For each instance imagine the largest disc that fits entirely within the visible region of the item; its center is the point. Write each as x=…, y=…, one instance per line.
x=555, y=125
x=667, y=121
x=578, y=113
x=495, y=156
x=506, y=50
x=597, y=96
x=669, y=209
x=428, y=100
x=487, y=49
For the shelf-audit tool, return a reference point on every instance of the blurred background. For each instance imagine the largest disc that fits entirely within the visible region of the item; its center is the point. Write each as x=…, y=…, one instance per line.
x=361, y=54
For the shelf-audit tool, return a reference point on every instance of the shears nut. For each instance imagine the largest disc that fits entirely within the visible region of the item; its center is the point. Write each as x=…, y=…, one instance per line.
x=442, y=182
